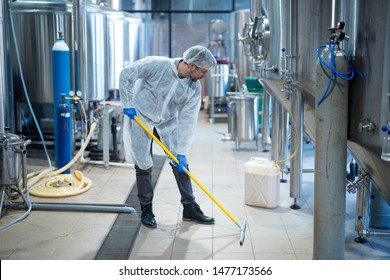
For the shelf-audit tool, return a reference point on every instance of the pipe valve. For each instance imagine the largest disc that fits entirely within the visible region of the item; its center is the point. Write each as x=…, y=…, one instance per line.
x=337, y=34
x=366, y=125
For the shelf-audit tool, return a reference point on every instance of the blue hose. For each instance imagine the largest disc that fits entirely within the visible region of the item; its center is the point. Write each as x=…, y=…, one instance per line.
x=347, y=76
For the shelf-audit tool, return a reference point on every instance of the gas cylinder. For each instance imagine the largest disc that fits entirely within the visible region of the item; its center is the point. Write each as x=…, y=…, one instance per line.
x=61, y=86
x=331, y=113
x=64, y=135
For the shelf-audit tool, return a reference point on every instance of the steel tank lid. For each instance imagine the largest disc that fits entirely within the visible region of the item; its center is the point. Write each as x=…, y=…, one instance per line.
x=7, y=139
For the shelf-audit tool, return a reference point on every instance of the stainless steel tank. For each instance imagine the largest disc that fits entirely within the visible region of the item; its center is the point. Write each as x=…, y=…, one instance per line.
x=237, y=53
x=369, y=96
x=96, y=49
x=11, y=149
x=134, y=38
x=367, y=25
x=243, y=111
x=36, y=30
x=217, y=80
x=122, y=43
x=117, y=46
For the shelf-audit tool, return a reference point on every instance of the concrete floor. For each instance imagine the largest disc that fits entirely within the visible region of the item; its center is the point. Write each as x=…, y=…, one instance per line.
x=272, y=234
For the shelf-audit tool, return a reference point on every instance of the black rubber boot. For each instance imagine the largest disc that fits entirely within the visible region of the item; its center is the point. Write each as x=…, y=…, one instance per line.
x=192, y=212
x=147, y=216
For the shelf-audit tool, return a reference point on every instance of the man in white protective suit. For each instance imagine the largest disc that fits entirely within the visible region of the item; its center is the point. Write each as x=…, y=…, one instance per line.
x=165, y=94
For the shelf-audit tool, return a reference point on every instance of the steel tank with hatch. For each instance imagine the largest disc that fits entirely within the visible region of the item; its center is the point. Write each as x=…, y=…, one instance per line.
x=237, y=54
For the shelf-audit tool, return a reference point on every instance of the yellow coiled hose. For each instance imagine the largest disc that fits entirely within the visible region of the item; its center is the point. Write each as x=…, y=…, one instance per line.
x=60, y=185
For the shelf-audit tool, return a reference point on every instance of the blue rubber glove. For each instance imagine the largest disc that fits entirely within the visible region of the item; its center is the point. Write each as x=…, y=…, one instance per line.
x=130, y=112
x=182, y=163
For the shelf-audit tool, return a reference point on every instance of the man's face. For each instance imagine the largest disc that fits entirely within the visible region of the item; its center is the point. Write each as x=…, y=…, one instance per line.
x=197, y=73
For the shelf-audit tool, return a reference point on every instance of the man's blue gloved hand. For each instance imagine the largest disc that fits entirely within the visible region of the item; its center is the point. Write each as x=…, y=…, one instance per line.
x=130, y=112
x=182, y=163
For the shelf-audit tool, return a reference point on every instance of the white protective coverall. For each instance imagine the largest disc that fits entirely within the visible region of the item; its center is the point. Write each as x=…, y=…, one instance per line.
x=162, y=100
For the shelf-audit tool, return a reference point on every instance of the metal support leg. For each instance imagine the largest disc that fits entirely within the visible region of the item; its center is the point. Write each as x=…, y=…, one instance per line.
x=265, y=125
x=2, y=195
x=275, y=128
x=296, y=145
x=106, y=136
x=362, y=212
x=283, y=140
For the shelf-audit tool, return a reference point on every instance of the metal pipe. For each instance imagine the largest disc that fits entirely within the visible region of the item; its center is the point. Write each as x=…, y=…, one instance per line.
x=308, y=170
x=24, y=166
x=2, y=195
x=283, y=140
x=80, y=12
x=296, y=111
x=352, y=186
x=276, y=107
x=106, y=134
x=296, y=144
x=76, y=207
x=265, y=125
x=5, y=119
x=362, y=216
x=369, y=233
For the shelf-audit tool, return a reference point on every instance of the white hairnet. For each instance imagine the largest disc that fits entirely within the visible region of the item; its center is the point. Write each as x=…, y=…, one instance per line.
x=200, y=56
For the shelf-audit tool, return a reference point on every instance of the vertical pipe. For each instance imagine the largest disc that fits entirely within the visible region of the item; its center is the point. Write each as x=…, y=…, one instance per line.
x=330, y=160
x=362, y=210
x=106, y=139
x=296, y=111
x=4, y=69
x=282, y=145
x=81, y=48
x=265, y=124
x=296, y=144
x=333, y=20
x=275, y=128
x=2, y=196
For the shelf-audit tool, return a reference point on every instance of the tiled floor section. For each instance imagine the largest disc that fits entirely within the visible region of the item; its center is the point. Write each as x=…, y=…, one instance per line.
x=272, y=234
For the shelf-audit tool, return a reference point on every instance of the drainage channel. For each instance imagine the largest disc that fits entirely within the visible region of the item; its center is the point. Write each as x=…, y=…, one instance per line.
x=120, y=240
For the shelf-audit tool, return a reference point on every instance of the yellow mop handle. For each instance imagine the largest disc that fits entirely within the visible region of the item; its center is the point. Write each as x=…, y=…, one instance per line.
x=186, y=170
